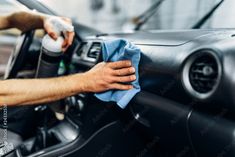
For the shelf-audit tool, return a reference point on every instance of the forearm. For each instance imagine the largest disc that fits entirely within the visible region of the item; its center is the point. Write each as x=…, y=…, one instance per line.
x=22, y=20
x=35, y=91
x=4, y=23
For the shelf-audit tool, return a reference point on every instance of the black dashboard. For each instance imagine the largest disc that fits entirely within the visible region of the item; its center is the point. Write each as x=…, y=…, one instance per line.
x=180, y=65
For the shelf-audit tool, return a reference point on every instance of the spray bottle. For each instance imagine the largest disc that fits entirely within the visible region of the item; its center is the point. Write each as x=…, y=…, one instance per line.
x=48, y=65
x=51, y=50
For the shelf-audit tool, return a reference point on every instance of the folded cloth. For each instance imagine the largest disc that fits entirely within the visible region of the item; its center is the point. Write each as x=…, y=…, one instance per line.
x=116, y=50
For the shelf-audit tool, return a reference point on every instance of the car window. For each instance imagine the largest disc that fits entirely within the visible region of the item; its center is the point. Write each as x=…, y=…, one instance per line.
x=223, y=17
x=118, y=15
x=179, y=14
x=108, y=15
x=8, y=37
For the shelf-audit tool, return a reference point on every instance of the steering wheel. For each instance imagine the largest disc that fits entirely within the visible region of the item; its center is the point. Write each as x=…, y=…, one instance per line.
x=18, y=54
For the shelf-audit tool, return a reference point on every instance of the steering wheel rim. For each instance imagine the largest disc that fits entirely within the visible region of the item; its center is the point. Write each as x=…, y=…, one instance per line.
x=18, y=54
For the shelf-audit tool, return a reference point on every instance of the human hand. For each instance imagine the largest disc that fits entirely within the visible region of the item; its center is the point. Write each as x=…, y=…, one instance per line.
x=49, y=26
x=29, y=20
x=109, y=75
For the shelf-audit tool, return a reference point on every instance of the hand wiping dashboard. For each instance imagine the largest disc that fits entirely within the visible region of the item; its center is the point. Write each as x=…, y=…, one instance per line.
x=116, y=50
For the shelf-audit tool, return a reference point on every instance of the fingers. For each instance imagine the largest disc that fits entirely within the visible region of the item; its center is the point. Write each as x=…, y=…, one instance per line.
x=50, y=31
x=119, y=64
x=106, y=76
x=70, y=36
x=125, y=78
x=66, y=19
x=121, y=86
x=68, y=40
x=124, y=71
x=49, y=26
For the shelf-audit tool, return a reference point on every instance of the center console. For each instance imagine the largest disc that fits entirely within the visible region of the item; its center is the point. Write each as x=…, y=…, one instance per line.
x=47, y=140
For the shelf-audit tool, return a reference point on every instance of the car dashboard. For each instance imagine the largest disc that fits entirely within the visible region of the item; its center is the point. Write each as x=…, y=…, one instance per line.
x=186, y=80
x=180, y=65
x=186, y=99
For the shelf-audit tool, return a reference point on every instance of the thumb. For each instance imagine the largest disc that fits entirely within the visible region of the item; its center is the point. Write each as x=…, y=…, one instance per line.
x=50, y=31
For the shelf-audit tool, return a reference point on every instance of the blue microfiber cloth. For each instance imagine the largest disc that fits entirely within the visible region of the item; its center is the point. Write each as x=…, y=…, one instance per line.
x=116, y=50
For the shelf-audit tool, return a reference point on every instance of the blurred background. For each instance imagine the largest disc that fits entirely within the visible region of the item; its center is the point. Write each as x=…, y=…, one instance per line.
x=117, y=15
x=122, y=15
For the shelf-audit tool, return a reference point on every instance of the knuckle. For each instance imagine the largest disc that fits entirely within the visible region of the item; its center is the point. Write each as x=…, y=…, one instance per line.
x=109, y=80
x=107, y=86
x=107, y=64
x=115, y=64
x=108, y=72
x=104, y=84
x=119, y=72
x=101, y=83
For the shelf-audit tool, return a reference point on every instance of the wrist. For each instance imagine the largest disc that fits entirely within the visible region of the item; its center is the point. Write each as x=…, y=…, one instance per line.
x=39, y=19
x=42, y=17
x=80, y=83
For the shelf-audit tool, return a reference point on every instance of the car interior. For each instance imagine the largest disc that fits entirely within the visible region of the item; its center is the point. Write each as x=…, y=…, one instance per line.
x=185, y=108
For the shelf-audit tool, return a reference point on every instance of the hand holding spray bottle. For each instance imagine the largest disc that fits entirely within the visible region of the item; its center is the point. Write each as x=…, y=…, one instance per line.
x=51, y=50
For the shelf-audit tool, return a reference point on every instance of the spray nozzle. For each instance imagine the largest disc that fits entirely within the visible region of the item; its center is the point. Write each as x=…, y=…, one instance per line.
x=60, y=25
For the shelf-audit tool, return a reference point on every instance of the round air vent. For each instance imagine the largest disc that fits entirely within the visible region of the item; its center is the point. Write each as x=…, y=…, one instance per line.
x=201, y=74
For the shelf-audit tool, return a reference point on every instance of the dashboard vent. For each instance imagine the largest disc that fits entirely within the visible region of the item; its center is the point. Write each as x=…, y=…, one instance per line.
x=81, y=49
x=203, y=73
x=95, y=50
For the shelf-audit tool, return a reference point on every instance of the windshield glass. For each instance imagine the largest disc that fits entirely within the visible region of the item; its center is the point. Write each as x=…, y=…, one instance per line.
x=179, y=14
x=120, y=15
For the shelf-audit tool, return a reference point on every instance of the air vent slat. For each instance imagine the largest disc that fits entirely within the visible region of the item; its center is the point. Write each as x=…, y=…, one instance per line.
x=204, y=79
x=202, y=64
x=197, y=71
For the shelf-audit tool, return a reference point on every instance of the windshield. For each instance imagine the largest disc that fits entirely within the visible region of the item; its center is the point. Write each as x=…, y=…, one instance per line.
x=118, y=15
